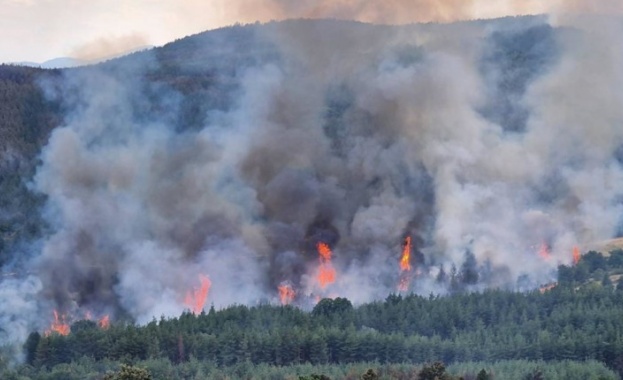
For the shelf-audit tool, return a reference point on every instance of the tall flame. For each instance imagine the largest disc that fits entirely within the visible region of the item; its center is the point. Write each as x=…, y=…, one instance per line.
x=104, y=322
x=405, y=261
x=576, y=255
x=59, y=325
x=196, y=298
x=286, y=293
x=405, y=266
x=326, y=273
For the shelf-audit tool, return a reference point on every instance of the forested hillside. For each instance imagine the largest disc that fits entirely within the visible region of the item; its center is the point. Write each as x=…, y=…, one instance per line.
x=26, y=120
x=317, y=198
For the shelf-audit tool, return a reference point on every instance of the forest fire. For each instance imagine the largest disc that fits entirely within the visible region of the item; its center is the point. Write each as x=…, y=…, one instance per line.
x=405, y=266
x=547, y=287
x=196, y=298
x=286, y=293
x=326, y=272
x=576, y=255
x=59, y=325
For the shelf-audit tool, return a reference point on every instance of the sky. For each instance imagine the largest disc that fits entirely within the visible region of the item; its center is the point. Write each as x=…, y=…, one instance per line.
x=39, y=30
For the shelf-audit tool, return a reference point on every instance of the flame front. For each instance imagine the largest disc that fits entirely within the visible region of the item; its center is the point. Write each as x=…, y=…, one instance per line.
x=196, y=299
x=286, y=293
x=326, y=273
x=59, y=325
x=576, y=255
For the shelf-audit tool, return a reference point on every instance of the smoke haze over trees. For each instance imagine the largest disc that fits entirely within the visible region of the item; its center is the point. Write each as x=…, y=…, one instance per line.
x=233, y=153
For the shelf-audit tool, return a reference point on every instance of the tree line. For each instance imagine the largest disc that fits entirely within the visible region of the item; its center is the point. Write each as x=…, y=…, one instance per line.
x=568, y=322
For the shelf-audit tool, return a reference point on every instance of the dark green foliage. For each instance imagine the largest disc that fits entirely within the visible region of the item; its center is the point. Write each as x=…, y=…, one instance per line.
x=483, y=375
x=329, y=307
x=593, y=266
x=30, y=347
x=522, y=369
x=26, y=120
x=616, y=259
x=434, y=371
x=129, y=373
x=594, y=261
x=469, y=269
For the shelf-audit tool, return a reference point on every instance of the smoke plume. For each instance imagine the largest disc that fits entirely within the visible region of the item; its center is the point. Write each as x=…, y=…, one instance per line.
x=481, y=142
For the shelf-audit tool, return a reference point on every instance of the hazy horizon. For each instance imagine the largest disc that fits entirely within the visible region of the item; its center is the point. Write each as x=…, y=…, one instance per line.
x=41, y=30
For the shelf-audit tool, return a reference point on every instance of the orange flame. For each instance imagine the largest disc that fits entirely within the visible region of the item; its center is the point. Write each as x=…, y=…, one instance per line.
x=104, y=322
x=196, y=299
x=326, y=273
x=544, y=252
x=547, y=287
x=286, y=293
x=405, y=266
x=405, y=261
x=576, y=255
x=59, y=325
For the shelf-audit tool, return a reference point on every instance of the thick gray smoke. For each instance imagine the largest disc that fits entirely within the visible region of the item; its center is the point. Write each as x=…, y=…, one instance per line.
x=482, y=140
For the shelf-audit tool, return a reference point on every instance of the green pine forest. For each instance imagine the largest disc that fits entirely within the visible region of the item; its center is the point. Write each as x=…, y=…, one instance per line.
x=572, y=331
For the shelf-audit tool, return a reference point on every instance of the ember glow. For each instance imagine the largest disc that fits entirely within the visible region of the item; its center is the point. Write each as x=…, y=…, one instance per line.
x=286, y=293
x=59, y=325
x=576, y=255
x=326, y=272
x=196, y=298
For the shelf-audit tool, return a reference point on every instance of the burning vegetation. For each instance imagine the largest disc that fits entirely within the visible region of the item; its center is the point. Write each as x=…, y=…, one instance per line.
x=326, y=272
x=405, y=266
x=195, y=299
x=296, y=166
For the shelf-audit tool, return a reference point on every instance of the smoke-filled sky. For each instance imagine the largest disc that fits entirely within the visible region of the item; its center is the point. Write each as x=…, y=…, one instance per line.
x=39, y=30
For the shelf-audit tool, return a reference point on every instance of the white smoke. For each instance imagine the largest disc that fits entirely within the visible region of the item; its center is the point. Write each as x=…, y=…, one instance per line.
x=356, y=139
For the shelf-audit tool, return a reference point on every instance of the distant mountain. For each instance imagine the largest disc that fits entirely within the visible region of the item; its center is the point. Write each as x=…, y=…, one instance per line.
x=70, y=62
x=56, y=63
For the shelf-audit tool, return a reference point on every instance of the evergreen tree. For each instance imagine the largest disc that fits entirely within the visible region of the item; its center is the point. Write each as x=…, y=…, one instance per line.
x=469, y=269
x=129, y=373
x=30, y=347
